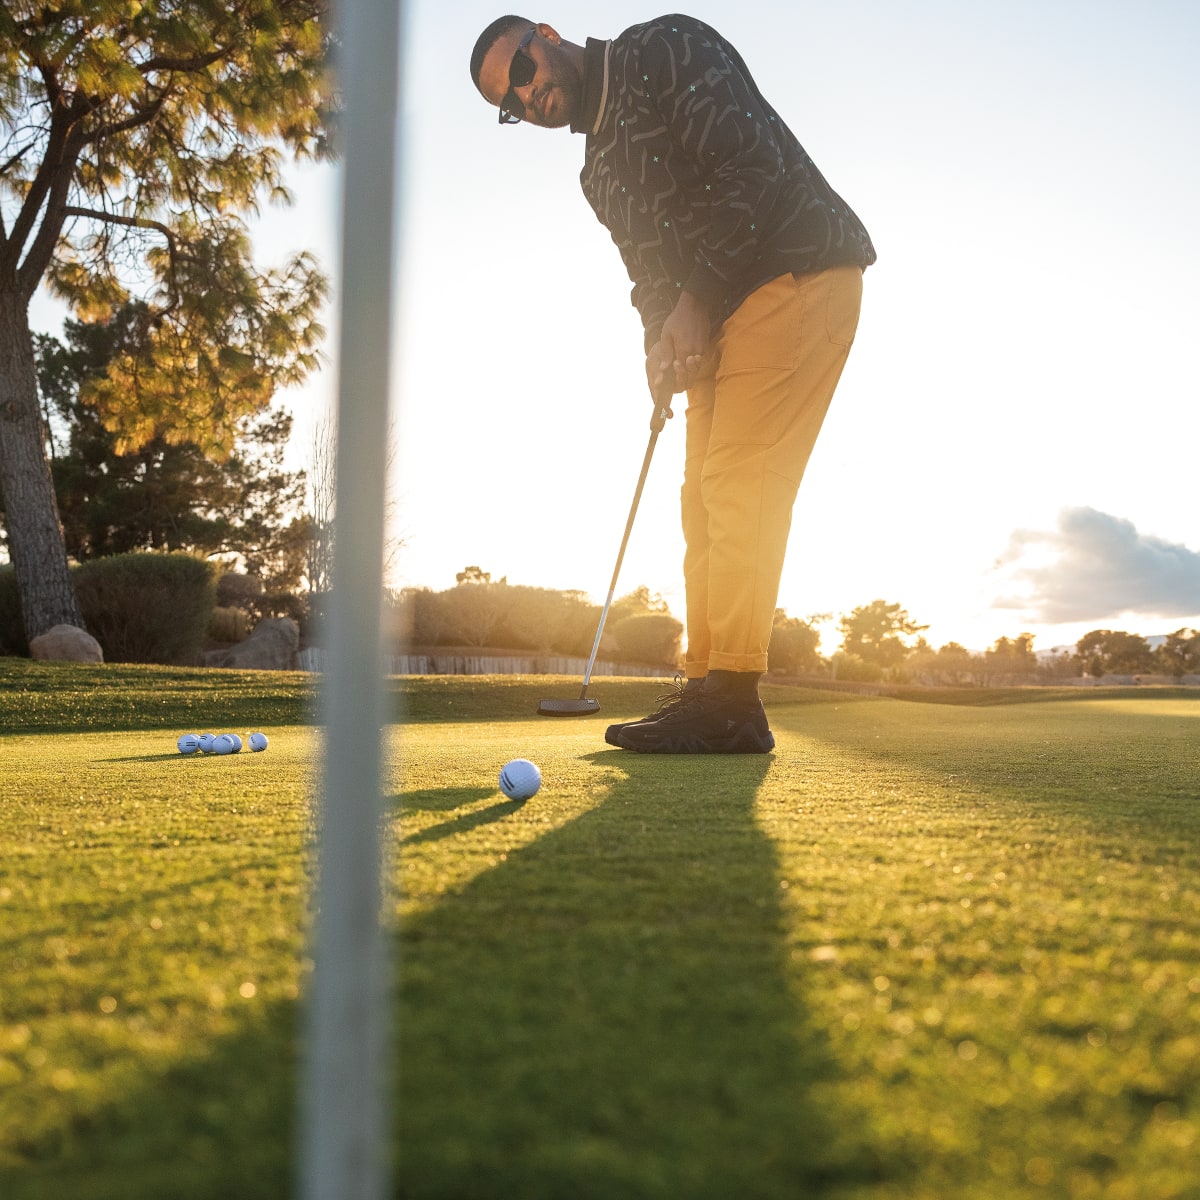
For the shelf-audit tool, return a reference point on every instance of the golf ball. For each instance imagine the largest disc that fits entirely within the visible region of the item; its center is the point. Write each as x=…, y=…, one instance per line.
x=224, y=744
x=206, y=741
x=237, y=742
x=257, y=741
x=520, y=779
x=189, y=743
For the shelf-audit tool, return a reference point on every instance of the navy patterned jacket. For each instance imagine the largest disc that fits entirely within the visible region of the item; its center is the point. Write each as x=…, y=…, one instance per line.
x=696, y=177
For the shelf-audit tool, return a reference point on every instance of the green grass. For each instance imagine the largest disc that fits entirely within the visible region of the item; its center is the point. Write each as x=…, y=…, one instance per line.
x=924, y=951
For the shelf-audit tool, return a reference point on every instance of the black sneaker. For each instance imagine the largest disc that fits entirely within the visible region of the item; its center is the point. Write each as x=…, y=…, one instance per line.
x=684, y=688
x=710, y=722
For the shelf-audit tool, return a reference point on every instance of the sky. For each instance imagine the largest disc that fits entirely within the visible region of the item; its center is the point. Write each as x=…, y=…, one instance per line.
x=1013, y=444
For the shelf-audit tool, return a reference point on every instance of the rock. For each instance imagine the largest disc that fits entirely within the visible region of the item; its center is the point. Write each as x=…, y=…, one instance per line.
x=273, y=646
x=66, y=643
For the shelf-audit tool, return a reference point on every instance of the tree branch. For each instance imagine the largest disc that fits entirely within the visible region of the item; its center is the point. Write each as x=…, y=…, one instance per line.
x=53, y=177
x=197, y=63
x=136, y=223
x=140, y=116
x=108, y=218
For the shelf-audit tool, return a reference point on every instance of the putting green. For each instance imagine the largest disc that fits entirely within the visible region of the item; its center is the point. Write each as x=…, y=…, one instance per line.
x=921, y=951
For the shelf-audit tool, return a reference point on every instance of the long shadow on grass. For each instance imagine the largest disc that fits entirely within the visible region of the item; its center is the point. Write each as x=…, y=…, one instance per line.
x=464, y=821
x=609, y=1014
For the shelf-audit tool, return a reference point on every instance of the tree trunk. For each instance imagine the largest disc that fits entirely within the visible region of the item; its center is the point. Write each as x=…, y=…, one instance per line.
x=35, y=537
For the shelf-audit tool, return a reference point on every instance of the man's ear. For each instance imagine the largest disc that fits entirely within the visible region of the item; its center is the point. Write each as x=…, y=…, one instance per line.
x=549, y=33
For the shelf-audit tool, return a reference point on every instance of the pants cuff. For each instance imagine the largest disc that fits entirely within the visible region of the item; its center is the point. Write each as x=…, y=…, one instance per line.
x=738, y=662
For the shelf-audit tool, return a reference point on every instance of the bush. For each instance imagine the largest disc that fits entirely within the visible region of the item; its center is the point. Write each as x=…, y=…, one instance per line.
x=651, y=638
x=228, y=625
x=147, y=608
x=852, y=667
x=795, y=646
x=12, y=629
x=237, y=590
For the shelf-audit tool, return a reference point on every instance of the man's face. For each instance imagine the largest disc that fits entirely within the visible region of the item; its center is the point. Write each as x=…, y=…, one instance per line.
x=551, y=97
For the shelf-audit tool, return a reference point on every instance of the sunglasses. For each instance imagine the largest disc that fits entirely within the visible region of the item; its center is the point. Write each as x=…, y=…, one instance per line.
x=520, y=74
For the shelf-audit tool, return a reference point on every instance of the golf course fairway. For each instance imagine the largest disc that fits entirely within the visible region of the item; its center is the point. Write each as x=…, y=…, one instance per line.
x=923, y=951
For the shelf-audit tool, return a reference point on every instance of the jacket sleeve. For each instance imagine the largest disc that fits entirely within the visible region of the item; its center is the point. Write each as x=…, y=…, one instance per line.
x=651, y=303
x=717, y=118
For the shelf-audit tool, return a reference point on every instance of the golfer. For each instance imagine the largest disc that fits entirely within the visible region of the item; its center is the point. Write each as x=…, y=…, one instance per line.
x=747, y=272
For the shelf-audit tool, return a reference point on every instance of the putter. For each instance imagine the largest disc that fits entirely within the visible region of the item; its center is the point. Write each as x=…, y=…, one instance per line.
x=584, y=705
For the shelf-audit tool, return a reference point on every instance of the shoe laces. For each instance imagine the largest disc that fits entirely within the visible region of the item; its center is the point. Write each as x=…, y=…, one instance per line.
x=672, y=699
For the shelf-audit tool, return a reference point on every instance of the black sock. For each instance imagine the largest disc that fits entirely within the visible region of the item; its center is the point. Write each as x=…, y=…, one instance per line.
x=741, y=685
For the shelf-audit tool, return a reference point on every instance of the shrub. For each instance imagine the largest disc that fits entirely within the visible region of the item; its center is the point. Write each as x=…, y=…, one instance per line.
x=651, y=638
x=795, y=646
x=237, y=590
x=228, y=625
x=150, y=608
x=852, y=667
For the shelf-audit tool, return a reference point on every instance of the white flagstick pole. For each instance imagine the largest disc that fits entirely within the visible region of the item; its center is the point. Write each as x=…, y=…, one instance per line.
x=344, y=1128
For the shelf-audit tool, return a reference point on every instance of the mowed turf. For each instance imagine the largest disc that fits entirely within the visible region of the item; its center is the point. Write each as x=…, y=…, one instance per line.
x=922, y=951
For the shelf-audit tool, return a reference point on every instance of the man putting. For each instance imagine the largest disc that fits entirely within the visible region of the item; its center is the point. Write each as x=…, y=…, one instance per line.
x=747, y=272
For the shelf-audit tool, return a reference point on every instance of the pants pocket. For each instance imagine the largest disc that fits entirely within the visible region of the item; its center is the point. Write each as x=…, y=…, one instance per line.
x=764, y=331
x=843, y=299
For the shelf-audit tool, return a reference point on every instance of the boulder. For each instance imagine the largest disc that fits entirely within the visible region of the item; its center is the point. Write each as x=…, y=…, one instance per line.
x=66, y=643
x=273, y=646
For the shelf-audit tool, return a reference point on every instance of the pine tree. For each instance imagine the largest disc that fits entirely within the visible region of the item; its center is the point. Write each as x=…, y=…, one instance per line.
x=163, y=495
x=135, y=140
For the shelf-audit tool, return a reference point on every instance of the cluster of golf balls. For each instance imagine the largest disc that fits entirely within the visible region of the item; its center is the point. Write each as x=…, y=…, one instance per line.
x=220, y=743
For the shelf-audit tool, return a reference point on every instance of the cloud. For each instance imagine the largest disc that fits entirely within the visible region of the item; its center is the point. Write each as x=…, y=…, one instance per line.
x=1095, y=566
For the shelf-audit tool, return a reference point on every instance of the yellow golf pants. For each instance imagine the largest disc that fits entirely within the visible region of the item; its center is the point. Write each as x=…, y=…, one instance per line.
x=752, y=421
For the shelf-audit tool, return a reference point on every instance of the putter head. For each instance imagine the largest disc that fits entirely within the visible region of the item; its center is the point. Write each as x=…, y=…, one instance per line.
x=568, y=708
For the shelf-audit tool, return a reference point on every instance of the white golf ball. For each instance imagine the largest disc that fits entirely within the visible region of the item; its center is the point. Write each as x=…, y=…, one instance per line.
x=257, y=742
x=189, y=743
x=237, y=742
x=223, y=744
x=206, y=741
x=520, y=779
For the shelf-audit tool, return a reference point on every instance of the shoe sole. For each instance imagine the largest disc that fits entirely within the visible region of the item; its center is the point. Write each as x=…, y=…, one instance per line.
x=744, y=741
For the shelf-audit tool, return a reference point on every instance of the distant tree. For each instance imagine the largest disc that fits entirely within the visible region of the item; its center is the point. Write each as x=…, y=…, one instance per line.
x=851, y=667
x=322, y=489
x=164, y=495
x=1113, y=652
x=875, y=634
x=421, y=617
x=1179, y=655
x=546, y=620
x=474, y=611
x=651, y=637
x=322, y=516
x=1011, y=659
x=134, y=140
x=473, y=575
x=951, y=665
x=641, y=601
x=795, y=647
x=1058, y=665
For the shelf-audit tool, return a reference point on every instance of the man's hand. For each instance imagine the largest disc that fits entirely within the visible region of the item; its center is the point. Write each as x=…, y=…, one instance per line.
x=673, y=363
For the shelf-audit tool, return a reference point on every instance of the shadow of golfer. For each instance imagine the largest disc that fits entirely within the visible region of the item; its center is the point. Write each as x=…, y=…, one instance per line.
x=609, y=1012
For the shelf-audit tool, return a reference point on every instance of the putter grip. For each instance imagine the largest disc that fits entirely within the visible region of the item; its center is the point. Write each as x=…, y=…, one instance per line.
x=662, y=410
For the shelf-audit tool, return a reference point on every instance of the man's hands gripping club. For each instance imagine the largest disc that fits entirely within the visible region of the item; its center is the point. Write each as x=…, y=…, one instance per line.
x=674, y=361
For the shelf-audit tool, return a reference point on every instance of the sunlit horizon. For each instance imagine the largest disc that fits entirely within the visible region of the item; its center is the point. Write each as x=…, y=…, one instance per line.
x=1026, y=353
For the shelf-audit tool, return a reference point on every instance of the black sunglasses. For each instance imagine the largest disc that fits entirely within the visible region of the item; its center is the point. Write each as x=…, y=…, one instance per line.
x=520, y=73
